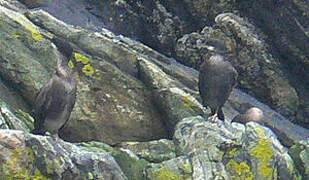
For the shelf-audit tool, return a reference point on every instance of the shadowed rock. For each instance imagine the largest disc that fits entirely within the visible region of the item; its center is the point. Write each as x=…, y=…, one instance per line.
x=216, y=80
x=55, y=101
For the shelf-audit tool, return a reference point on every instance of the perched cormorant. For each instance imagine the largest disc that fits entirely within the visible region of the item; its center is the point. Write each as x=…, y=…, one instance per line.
x=217, y=77
x=253, y=114
x=55, y=101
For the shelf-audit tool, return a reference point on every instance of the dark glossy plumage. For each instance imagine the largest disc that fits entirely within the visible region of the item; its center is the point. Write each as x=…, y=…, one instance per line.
x=55, y=101
x=217, y=78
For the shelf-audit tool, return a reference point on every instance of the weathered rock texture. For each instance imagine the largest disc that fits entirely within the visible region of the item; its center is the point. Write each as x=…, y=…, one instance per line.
x=178, y=168
x=152, y=151
x=286, y=25
x=300, y=155
x=159, y=24
x=26, y=156
x=171, y=100
x=129, y=92
x=259, y=72
x=150, y=22
x=250, y=152
x=107, y=97
x=112, y=105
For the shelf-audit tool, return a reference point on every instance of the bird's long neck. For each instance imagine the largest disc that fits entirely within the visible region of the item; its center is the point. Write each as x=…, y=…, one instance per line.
x=63, y=69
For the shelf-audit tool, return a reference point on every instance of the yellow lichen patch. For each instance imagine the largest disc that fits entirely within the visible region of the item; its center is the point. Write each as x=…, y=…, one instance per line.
x=35, y=34
x=81, y=58
x=264, y=152
x=239, y=171
x=20, y=166
x=261, y=132
x=187, y=103
x=164, y=174
x=71, y=64
x=88, y=70
x=233, y=152
x=16, y=35
x=187, y=168
x=23, y=21
x=90, y=175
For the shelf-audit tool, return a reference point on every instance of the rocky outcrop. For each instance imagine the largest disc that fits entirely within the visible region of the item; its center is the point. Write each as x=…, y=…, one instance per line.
x=178, y=168
x=300, y=153
x=250, y=152
x=126, y=90
x=171, y=100
x=107, y=97
x=259, y=72
x=159, y=24
x=152, y=151
x=150, y=22
x=288, y=133
x=26, y=156
x=286, y=26
x=18, y=120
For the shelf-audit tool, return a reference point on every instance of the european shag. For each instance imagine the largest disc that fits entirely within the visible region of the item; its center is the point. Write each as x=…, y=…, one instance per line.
x=56, y=99
x=217, y=77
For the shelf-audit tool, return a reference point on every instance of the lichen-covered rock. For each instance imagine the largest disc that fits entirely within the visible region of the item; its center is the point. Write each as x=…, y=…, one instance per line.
x=19, y=121
x=286, y=25
x=175, y=169
x=111, y=106
x=27, y=156
x=171, y=100
x=23, y=51
x=150, y=22
x=225, y=152
x=288, y=133
x=300, y=154
x=259, y=72
x=130, y=163
x=152, y=151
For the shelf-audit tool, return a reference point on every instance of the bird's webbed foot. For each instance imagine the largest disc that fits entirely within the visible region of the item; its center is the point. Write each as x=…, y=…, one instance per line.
x=214, y=118
x=55, y=136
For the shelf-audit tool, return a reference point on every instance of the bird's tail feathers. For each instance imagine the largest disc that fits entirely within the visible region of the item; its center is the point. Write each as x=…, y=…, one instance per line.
x=220, y=114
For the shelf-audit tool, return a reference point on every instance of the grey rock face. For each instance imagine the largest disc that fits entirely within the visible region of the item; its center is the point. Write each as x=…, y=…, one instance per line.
x=152, y=151
x=34, y=156
x=178, y=168
x=229, y=152
x=260, y=74
x=19, y=121
x=173, y=101
x=118, y=97
x=300, y=154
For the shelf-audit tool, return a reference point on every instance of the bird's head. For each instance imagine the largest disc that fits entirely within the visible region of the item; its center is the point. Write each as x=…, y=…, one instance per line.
x=216, y=46
x=66, y=51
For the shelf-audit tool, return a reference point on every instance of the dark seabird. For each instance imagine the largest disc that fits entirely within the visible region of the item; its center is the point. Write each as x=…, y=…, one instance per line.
x=55, y=101
x=253, y=114
x=217, y=77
